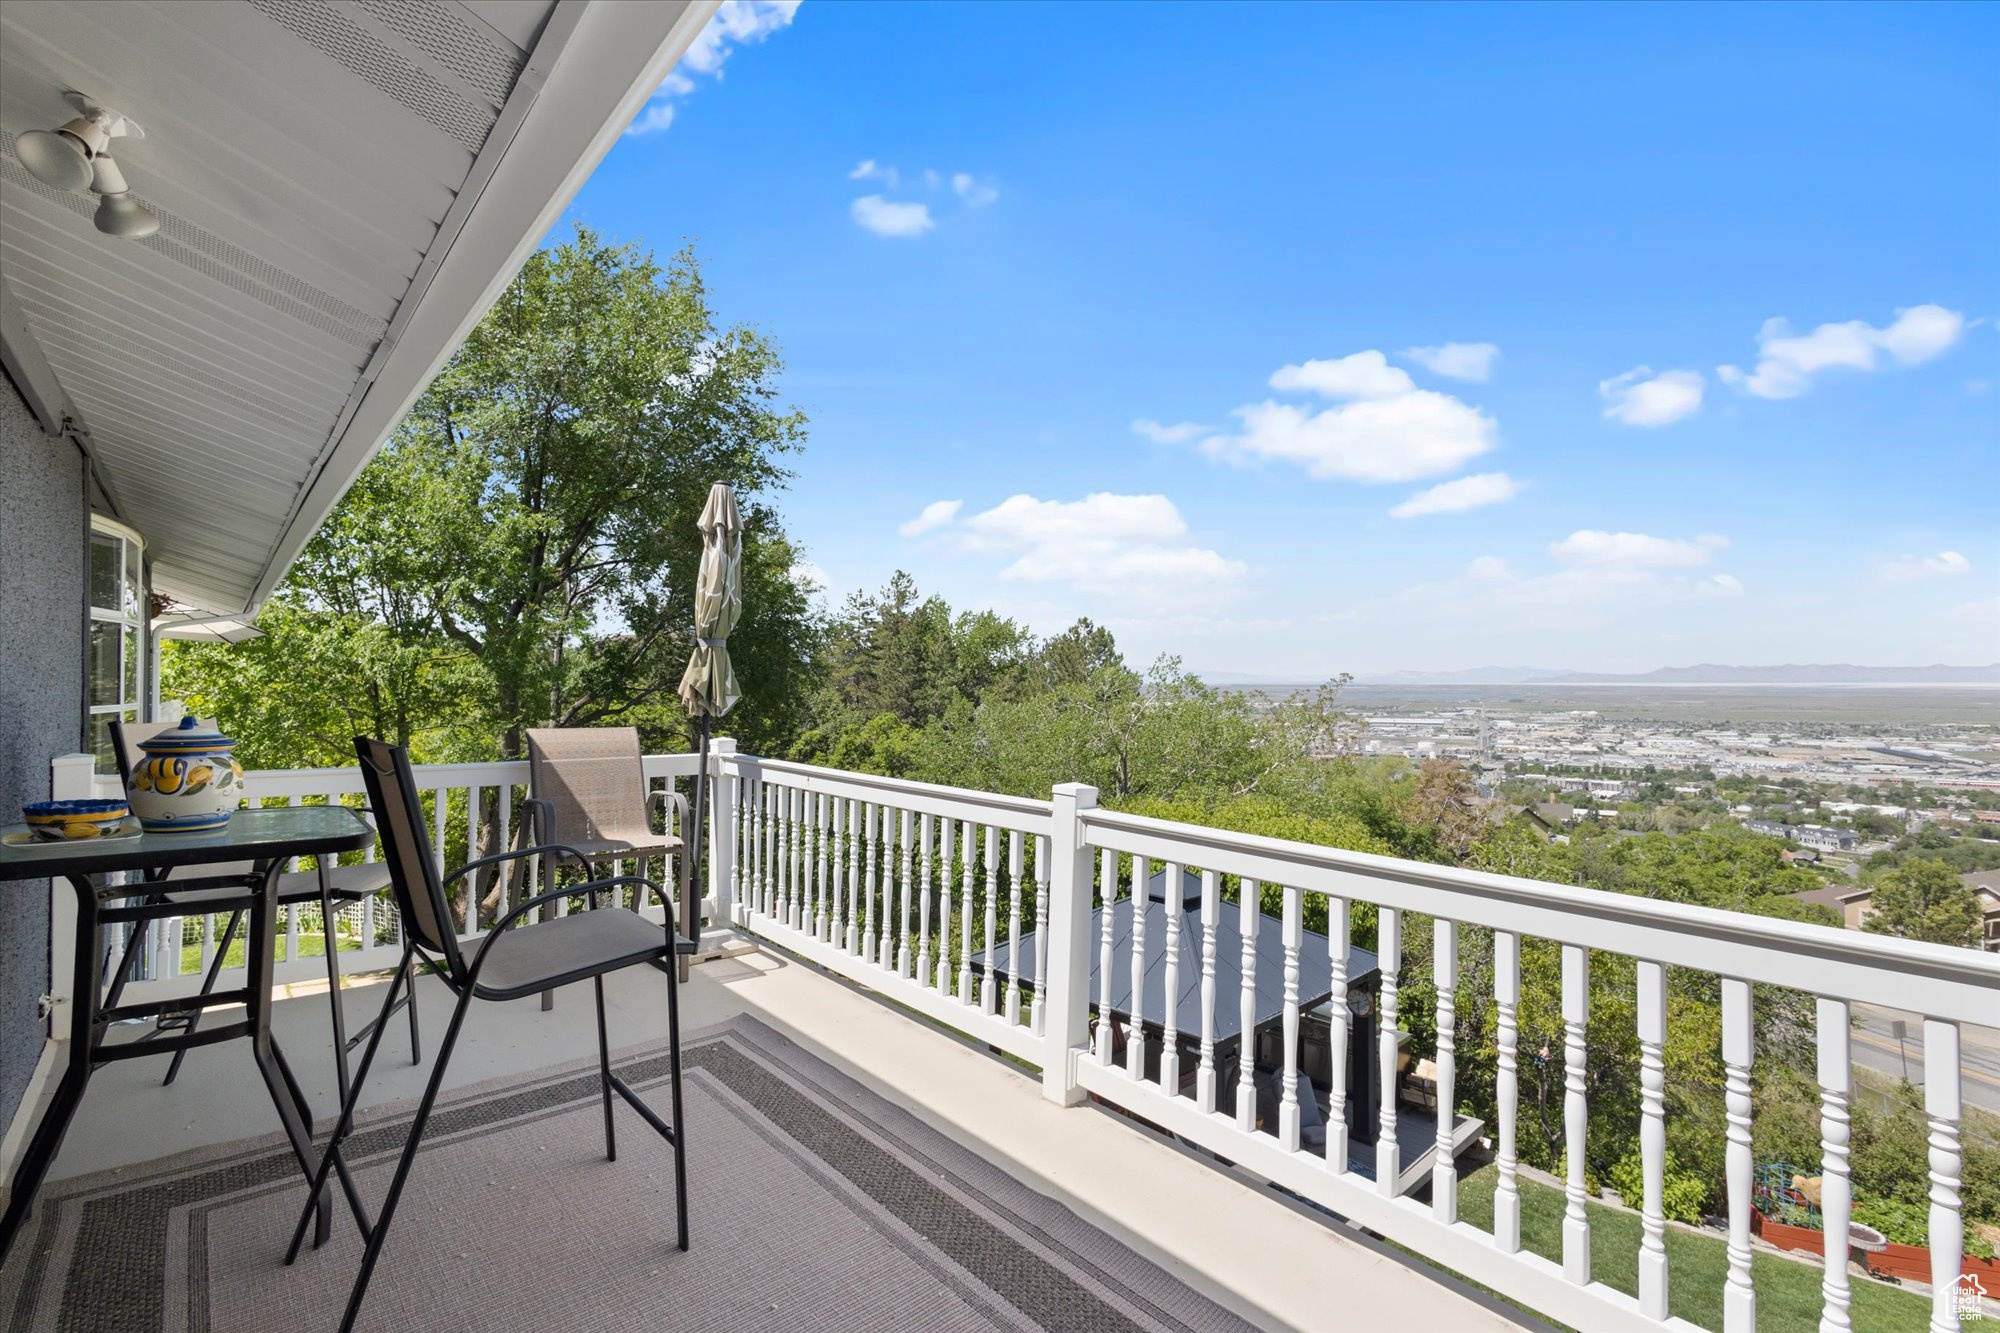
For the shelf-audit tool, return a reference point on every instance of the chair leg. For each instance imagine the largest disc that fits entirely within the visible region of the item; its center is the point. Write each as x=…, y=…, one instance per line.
x=345, y=1124
x=380, y=1233
x=410, y=999
x=680, y=1120
x=207, y=986
x=604, y=1073
x=331, y=939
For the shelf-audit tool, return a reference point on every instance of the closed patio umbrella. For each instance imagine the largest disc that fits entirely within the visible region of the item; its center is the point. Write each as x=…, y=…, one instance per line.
x=708, y=687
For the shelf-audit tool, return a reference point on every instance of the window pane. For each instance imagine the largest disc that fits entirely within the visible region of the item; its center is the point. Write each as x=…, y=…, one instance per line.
x=104, y=560
x=104, y=665
x=131, y=694
x=100, y=741
x=134, y=582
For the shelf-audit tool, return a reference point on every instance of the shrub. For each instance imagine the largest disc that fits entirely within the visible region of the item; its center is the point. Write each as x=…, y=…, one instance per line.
x=1904, y=1223
x=1681, y=1197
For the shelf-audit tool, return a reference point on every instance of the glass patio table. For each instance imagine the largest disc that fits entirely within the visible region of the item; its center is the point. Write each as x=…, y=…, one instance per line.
x=266, y=838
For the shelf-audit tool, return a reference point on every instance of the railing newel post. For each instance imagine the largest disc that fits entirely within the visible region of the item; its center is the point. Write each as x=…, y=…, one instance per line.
x=1067, y=943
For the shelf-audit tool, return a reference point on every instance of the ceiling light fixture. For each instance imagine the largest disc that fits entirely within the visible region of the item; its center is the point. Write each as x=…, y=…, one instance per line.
x=118, y=213
x=77, y=157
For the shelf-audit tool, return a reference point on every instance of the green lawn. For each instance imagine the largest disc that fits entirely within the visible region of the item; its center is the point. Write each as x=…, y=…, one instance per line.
x=311, y=945
x=1788, y=1295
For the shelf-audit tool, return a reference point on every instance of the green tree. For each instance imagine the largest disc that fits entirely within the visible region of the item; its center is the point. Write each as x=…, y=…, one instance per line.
x=523, y=550
x=1925, y=900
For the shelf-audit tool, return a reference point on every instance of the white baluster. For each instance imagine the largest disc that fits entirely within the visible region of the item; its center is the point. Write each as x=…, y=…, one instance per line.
x=1836, y=1191
x=928, y=871
x=825, y=864
x=1107, y=878
x=1135, y=1028
x=1337, y=1035
x=786, y=912
x=1947, y=1229
x=968, y=853
x=1576, y=1111
x=1288, y=1101
x=867, y=920
x=885, y=952
x=1204, y=1074
x=850, y=901
x=1739, y=1298
x=903, y=923
x=1170, y=1044
x=1041, y=929
x=1444, y=1164
x=947, y=832
x=1015, y=861
x=1388, y=1153
x=1506, y=1003
x=1653, y=1139
x=989, y=998
x=1249, y=914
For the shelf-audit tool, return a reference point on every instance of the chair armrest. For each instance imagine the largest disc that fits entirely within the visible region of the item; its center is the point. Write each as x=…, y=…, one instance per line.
x=516, y=855
x=660, y=799
x=541, y=818
x=522, y=908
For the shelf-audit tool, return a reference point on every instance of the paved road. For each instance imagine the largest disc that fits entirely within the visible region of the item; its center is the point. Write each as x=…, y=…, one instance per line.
x=1875, y=1047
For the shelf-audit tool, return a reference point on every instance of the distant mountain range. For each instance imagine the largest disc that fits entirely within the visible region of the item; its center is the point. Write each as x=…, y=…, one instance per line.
x=1471, y=676
x=1710, y=673
x=1706, y=673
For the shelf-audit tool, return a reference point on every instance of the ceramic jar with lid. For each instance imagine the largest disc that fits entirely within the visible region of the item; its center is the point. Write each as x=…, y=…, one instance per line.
x=189, y=781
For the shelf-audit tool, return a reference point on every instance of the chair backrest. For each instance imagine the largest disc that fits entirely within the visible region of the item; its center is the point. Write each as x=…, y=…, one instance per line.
x=593, y=780
x=406, y=848
x=127, y=737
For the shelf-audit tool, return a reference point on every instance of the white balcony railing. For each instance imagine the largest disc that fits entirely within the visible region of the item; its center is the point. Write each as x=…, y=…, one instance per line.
x=904, y=887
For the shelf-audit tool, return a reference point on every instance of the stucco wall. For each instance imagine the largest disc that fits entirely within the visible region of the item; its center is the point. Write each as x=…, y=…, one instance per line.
x=44, y=547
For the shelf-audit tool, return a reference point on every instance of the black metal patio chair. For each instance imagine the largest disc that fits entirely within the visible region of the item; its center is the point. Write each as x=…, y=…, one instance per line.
x=513, y=961
x=330, y=888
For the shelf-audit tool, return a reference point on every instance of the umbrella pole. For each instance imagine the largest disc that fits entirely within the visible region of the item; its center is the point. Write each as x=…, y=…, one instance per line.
x=697, y=867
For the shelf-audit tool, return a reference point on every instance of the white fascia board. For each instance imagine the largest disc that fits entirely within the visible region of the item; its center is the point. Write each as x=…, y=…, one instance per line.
x=613, y=56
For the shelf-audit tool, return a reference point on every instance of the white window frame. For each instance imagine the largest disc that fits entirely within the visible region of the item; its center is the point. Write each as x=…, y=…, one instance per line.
x=130, y=617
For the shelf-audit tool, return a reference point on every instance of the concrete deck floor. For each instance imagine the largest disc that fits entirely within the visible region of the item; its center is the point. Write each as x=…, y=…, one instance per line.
x=1256, y=1252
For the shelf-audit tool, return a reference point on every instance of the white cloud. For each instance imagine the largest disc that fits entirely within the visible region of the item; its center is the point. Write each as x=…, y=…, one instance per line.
x=1589, y=547
x=1488, y=569
x=657, y=115
x=1131, y=545
x=887, y=217
x=737, y=23
x=1415, y=435
x=1362, y=375
x=1945, y=564
x=1454, y=497
x=1721, y=585
x=869, y=170
x=1178, y=433
x=1787, y=362
x=809, y=576
x=1457, y=361
x=935, y=515
x=976, y=194
x=1641, y=398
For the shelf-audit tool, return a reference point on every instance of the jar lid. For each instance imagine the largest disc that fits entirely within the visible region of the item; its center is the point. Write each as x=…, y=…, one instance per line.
x=190, y=737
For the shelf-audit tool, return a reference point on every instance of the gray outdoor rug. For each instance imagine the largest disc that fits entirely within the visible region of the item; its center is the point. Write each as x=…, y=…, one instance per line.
x=815, y=1204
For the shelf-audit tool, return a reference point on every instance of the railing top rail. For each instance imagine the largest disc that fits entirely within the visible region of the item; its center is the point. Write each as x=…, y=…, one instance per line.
x=1935, y=979
x=1021, y=811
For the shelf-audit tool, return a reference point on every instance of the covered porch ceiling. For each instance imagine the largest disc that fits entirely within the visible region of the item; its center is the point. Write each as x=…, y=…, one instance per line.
x=342, y=190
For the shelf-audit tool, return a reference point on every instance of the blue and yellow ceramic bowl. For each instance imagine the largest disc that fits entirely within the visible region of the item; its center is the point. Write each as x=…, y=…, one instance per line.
x=56, y=820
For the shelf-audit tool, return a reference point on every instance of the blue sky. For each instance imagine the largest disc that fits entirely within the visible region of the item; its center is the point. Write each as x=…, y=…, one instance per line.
x=1299, y=339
